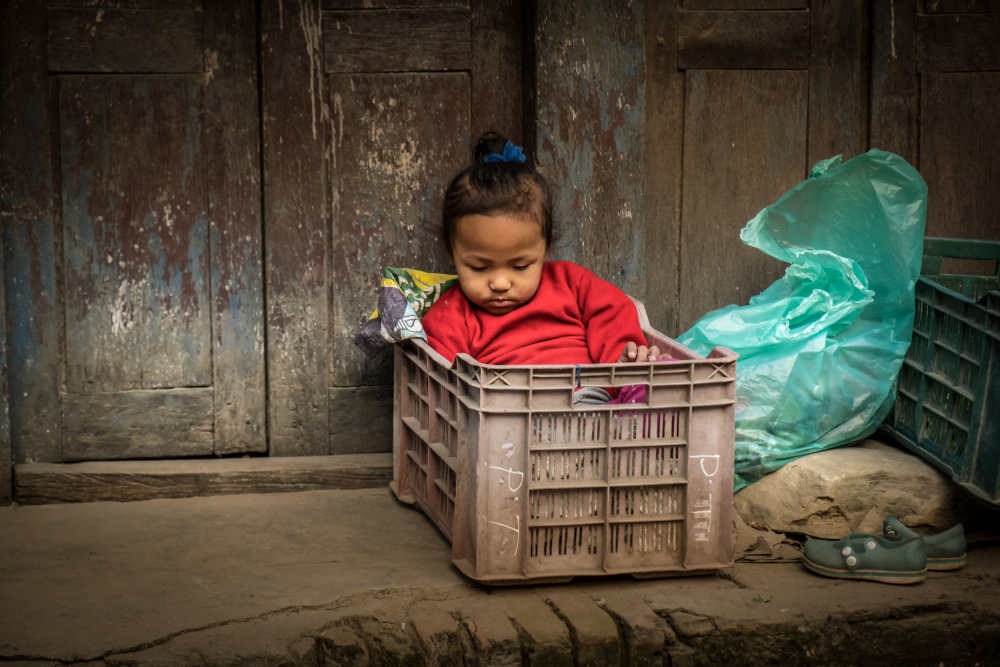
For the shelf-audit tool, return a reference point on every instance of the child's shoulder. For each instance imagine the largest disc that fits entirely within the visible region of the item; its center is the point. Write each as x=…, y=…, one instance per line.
x=566, y=268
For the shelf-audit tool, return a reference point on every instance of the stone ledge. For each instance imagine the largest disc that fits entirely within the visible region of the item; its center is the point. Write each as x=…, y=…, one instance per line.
x=44, y=483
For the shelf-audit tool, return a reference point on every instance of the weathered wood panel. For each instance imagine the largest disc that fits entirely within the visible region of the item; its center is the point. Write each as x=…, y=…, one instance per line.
x=26, y=206
x=396, y=40
x=125, y=40
x=744, y=146
x=391, y=4
x=130, y=4
x=960, y=6
x=497, y=69
x=744, y=4
x=134, y=203
x=232, y=149
x=42, y=483
x=958, y=43
x=6, y=452
x=893, y=106
x=295, y=117
x=138, y=424
x=662, y=168
x=838, y=79
x=959, y=142
x=590, y=77
x=361, y=419
x=398, y=140
x=743, y=40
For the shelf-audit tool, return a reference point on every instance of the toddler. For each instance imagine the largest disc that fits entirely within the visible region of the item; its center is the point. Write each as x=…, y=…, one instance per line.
x=512, y=306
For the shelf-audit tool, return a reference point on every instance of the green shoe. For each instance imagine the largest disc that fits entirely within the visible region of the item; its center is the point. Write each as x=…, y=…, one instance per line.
x=945, y=551
x=865, y=556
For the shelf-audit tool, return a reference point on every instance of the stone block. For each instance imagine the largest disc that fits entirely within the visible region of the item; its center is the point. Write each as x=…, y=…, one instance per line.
x=341, y=647
x=438, y=633
x=645, y=633
x=544, y=635
x=494, y=637
x=852, y=489
x=592, y=628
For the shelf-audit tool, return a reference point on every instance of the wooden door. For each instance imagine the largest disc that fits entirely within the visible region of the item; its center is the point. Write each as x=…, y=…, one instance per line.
x=136, y=272
x=369, y=109
x=935, y=95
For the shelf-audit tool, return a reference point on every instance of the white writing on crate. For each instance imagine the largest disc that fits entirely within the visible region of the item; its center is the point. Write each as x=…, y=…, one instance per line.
x=513, y=479
x=703, y=513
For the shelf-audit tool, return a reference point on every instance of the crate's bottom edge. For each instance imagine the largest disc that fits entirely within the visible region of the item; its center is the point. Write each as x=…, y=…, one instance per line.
x=945, y=467
x=407, y=498
x=467, y=568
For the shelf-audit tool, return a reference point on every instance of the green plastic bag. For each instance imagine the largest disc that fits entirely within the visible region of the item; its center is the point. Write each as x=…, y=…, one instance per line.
x=820, y=348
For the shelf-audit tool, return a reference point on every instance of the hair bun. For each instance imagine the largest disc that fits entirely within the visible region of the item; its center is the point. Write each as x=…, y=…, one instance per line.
x=493, y=147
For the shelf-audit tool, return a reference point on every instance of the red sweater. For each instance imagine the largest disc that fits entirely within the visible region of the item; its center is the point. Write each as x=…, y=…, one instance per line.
x=574, y=318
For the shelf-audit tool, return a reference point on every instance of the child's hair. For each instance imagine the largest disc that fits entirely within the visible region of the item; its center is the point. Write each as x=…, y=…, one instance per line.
x=496, y=186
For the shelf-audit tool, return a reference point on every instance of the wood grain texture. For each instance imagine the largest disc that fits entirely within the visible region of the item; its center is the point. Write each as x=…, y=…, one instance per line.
x=295, y=120
x=590, y=77
x=232, y=149
x=398, y=140
x=744, y=146
x=134, y=199
x=959, y=142
x=662, y=169
x=6, y=452
x=391, y=4
x=361, y=419
x=41, y=483
x=960, y=6
x=497, y=69
x=838, y=79
x=138, y=424
x=958, y=42
x=131, y=4
x=893, y=106
x=692, y=5
x=743, y=40
x=28, y=214
x=396, y=40
x=125, y=40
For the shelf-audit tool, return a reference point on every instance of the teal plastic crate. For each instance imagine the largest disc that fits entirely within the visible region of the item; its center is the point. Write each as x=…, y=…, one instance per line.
x=947, y=406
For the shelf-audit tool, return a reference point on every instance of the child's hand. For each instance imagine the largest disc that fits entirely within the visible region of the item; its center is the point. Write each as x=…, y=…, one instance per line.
x=633, y=352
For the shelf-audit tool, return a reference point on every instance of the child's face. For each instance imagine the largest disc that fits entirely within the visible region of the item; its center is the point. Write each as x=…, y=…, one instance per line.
x=498, y=260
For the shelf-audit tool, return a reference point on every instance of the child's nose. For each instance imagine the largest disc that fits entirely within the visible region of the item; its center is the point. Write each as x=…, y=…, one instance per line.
x=499, y=283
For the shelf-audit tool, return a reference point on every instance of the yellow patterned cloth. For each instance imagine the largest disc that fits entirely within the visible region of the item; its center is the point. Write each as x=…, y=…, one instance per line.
x=403, y=298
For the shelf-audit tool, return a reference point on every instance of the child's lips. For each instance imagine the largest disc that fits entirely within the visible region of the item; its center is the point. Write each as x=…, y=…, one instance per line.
x=501, y=303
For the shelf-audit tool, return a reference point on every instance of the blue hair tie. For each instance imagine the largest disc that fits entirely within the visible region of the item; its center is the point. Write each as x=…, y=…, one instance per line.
x=511, y=153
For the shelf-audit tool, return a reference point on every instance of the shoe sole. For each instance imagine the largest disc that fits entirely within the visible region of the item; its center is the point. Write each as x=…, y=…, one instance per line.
x=883, y=576
x=945, y=564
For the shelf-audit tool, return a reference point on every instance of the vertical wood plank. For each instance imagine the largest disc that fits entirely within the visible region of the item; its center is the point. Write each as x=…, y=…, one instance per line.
x=398, y=140
x=744, y=146
x=295, y=120
x=590, y=88
x=497, y=65
x=838, y=79
x=6, y=454
x=135, y=232
x=232, y=148
x=959, y=142
x=893, y=106
x=27, y=214
x=662, y=168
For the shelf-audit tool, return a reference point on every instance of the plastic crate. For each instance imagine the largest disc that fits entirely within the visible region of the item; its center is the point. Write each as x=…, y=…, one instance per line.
x=949, y=384
x=529, y=488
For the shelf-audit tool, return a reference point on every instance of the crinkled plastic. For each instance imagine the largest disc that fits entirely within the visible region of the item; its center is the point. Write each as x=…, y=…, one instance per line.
x=820, y=348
